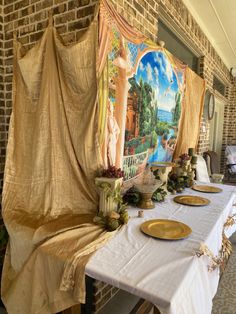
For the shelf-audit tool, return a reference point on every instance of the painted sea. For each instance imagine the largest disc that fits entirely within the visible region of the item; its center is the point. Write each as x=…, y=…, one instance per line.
x=161, y=154
x=164, y=115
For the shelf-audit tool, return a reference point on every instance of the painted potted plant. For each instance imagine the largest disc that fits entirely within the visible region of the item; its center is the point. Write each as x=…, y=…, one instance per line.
x=109, y=186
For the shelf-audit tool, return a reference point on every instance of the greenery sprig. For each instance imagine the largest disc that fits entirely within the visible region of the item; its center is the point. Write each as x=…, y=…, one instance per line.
x=114, y=193
x=132, y=196
x=159, y=195
x=114, y=219
x=177, y=184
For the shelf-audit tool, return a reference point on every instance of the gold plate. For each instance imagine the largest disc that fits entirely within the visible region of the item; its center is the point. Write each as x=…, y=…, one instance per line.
x=192, y=200
x=166, y=229
x=206, y=188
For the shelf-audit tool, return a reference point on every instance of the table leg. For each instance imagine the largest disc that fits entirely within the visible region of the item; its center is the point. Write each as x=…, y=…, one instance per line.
x=144, y=307
x=87, y=308
x=156, y=311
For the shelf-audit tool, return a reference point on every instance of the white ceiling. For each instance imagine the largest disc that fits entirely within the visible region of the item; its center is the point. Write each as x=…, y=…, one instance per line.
x=217, y=19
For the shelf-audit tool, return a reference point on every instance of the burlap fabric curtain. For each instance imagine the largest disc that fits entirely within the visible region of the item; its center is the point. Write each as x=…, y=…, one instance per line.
x=49, y=196
x=192, y=108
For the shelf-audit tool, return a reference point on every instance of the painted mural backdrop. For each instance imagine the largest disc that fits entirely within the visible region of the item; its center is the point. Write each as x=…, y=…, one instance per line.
x=152, y=88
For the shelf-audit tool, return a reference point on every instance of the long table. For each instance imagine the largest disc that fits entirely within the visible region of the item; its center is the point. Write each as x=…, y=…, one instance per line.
x=168, y=273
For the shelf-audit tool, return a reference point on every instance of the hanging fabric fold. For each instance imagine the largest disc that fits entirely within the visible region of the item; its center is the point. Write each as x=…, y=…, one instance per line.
x=192, y=108
x=53, y=155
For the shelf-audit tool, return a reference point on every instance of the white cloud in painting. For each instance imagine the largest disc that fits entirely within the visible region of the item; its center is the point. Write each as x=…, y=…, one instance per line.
x=141, y=66
x=167, y=102
x=165, y=67
x=180, y=81
x=158, y=60
x=169, y=71
x=154, y=95
x=149, y=72
x=156, y=92
x=170, y=92
x=156, y=73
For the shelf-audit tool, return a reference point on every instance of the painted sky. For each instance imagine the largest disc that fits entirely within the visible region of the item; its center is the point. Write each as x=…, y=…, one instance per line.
x=155, y=69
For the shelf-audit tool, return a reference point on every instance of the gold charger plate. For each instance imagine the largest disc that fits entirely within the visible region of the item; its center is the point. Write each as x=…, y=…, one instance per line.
x=192, y=200
x=206, y=188
x=165, y=229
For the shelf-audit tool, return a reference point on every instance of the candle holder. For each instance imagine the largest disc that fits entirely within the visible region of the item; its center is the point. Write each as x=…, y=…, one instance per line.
x=162, y=170
x=146, y=188
x=146, y=191
x=194, y=160
x=191, y=151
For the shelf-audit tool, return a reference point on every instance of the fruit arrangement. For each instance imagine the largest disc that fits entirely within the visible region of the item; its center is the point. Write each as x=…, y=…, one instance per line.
x=159, y=195
x=176, y=184
x=112, y=172
x=114, y=219
x=184, y=157
x=132, y=196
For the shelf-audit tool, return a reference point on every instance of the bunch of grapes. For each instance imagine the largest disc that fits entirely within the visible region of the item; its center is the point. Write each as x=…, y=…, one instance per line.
x=177, y=184
x=183, y=158
x=112, y=172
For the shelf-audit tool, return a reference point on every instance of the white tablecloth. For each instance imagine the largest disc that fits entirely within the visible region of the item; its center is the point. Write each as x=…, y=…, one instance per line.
x=168, y=273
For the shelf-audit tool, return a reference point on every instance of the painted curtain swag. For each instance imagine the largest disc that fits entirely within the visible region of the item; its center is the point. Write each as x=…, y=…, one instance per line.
x=75, y=109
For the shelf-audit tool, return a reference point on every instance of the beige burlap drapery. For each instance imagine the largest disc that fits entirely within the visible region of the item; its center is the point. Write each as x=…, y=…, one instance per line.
x=191, y=113
x=49, y=196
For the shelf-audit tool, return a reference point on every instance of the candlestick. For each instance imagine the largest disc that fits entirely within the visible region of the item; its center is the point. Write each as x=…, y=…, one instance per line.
x=190, y=151
x=194, y=160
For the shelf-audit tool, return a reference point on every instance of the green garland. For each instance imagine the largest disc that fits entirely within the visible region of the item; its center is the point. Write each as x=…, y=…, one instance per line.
x=115, y=194
x=177, y=184
x=159, y=195
x=132, y=196
x=114, y=219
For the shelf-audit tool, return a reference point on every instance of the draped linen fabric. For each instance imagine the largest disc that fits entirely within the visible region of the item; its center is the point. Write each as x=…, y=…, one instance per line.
x=49, y=196
x=192, y=108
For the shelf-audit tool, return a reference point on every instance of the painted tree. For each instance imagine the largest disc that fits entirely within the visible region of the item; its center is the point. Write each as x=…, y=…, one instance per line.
x=147, y=111
x=177, y=110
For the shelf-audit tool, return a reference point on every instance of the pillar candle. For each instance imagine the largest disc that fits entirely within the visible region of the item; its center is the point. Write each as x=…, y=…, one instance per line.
x=194, y=160
x=190, y=151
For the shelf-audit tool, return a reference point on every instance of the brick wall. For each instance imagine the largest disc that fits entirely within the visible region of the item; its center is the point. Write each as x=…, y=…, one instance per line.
x=102, y=294
x=230, y=118
x=2, y=102
x=141, y=14
x=29, y=19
